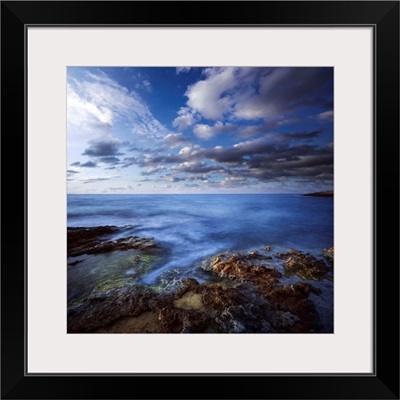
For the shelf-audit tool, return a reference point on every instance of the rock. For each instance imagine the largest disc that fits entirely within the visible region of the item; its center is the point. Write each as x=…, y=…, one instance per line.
x=73, y=263
x=266, y=327
x=294, y=299
x=285, y=319
x=268, y=295
x=249, y=299
x=328, y=254
x=103, y=308
x=95, y=240
x=146, y=322
x=242, y=267
x=290, y=252
x=303, y=265
x=135, y=242
x=190, y=301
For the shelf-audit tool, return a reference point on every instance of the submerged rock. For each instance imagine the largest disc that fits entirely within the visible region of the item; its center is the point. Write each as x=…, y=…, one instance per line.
x=96, y=240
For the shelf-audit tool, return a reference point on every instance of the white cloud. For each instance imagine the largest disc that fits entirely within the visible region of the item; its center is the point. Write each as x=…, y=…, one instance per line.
x=185, y=150
x=271, y=94
x=175, y=139
x=251, y=130
x=268, y=103
x=102, y=77
x=85, y=113
x=207, y=96
x=282, y=91
x=325, y=116
x=190, y=166
x=153, y=170
x=147, y=85
x=189, y=150
x=95, y=103
x=126, y=187
x=207, y=132
x=182, y=70
x=185, y=118
x=98, y=179
x=253, y=109
x=235, y=181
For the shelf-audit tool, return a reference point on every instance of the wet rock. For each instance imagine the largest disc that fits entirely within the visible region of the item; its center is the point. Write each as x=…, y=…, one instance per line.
x=290, y=252
x=285, y=319
x=243, y=267
x=146, y=322
x=230, y=322
x=268, y=295
x=233, y=309
x=102, y=308
x=174, y=320
x=73, y=263
x=266, y=327
x=95, y=240
x=210, y=307
x=249, y=299
x=303, y=265
x=294, y=299
x=328, y=254
x=190, y=301
x=85, y=236
x=134, y=242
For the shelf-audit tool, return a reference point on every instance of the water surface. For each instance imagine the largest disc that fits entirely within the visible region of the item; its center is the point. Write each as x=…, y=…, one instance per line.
x=193, y=227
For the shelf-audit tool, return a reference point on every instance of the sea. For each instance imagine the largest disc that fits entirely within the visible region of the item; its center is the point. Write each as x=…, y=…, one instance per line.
x=192, y=228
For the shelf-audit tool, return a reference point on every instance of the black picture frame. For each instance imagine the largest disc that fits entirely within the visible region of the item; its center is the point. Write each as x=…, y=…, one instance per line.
x=383, y=383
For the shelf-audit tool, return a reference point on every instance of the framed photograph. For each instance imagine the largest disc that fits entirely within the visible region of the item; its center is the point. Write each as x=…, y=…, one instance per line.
x=208, y=198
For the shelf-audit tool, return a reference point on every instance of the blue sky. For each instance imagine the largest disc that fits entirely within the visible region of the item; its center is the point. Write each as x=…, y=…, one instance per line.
x=199, y=130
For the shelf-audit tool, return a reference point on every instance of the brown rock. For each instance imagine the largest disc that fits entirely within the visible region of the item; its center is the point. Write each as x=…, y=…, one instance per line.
x=328, y=254
x=249, y=299
x=303, y=265
x=95, y=240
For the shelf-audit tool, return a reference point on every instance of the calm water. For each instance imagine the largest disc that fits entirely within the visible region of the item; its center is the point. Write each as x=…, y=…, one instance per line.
x=195, y=227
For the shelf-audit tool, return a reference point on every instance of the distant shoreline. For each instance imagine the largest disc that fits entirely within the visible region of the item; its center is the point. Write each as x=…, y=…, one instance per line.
x=326, y=193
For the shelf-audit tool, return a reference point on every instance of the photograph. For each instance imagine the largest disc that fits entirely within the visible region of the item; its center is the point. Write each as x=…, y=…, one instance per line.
x=200, y=199
x=221, y=172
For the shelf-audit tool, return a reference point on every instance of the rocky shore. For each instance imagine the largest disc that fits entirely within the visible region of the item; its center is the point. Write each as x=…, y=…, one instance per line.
x=96, y=240
x=258, y=291
x=326, y=193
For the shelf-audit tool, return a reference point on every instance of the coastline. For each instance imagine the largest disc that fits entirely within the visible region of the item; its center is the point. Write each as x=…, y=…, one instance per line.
x=258, y=291
x=326, y=193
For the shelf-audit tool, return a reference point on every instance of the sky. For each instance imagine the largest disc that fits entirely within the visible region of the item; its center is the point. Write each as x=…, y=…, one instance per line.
x=199, y=130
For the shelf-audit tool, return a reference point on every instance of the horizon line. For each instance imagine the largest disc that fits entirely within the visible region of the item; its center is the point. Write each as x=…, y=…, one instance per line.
x=193, y=194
